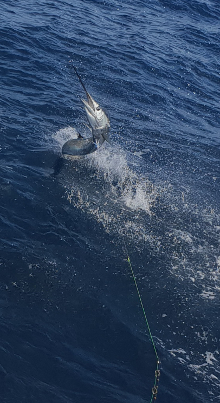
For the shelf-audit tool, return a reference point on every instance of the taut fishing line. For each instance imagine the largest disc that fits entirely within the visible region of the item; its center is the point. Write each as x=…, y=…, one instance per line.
x=157, y=371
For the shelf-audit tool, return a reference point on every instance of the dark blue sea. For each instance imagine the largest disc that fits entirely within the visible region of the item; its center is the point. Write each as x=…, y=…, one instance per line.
x=71, y=325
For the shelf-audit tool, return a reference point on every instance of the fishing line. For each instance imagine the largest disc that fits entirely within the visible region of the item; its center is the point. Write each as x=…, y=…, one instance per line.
x=157, y=371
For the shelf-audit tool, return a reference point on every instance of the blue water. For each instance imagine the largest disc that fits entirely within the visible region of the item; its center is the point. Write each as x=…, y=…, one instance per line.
x=71, y=327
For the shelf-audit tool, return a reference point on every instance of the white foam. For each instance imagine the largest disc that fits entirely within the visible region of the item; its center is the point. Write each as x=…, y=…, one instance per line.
x=135, y=191
x=63, y=135
x=115, y=190
x=183, y=235
x=210, y=358
x=177, y=351
x=115, y=194
x=208, y=295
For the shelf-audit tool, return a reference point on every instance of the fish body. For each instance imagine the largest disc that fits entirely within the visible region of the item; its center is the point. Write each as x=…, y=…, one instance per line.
x=97, y=117
x=79, y=147
x=100, y=126
x=101, y=134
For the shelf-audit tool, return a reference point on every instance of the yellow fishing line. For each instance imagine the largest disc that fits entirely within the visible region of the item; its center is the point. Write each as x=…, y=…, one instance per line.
x=157, y=371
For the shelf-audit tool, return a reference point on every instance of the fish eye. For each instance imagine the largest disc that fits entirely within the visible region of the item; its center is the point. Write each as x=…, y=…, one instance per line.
x=98, y=108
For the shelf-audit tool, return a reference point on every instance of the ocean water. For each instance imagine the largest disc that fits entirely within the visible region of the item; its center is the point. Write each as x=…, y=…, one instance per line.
x=71, y=328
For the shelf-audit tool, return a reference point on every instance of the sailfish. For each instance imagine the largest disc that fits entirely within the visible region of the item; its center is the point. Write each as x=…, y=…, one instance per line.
x=99, y=123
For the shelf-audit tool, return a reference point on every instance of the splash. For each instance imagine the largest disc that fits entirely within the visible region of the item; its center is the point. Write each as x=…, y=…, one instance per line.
x=109, y=187
x=112, y=187
x=63, y=135
x=114, y=193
